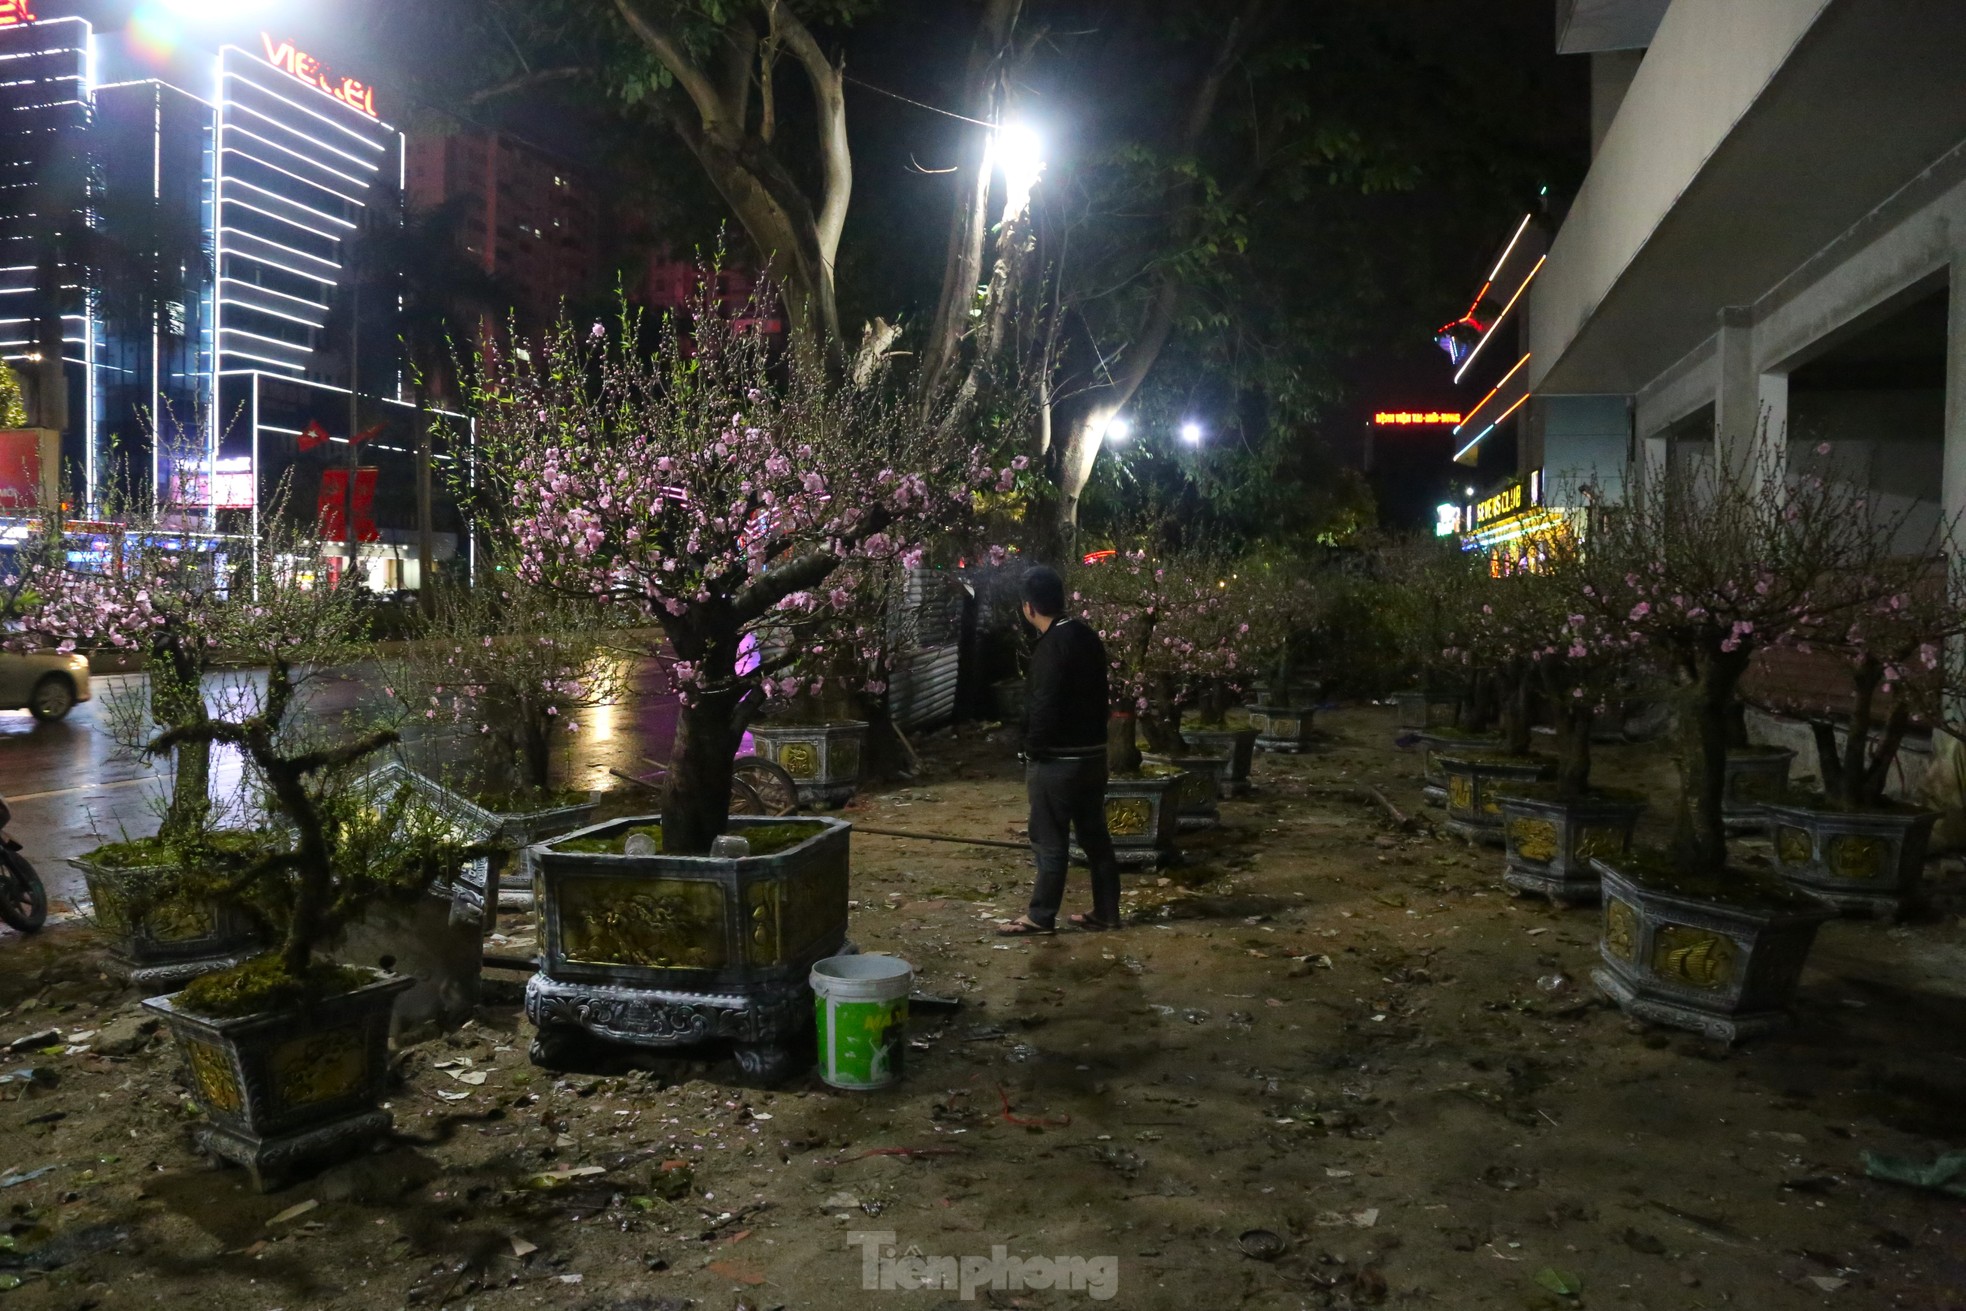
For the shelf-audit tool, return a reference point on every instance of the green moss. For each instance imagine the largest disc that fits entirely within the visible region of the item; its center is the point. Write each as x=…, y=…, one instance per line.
x=264, y=984
x=765, y=839
x=1151, y=770
x=1551, y=792
x=154, y=853
x=1496, y=758
x=1657, y=871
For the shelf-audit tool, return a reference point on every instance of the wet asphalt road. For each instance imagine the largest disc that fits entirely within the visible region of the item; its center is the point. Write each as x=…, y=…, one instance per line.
x=72, y=789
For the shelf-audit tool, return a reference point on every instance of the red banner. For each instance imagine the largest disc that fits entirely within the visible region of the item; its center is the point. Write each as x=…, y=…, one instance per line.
x=313, y=435
x=20, y=468
x=365, y=529
x=331, y=510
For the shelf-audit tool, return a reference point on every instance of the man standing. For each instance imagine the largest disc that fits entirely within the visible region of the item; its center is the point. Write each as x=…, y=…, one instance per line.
x=1065, y=749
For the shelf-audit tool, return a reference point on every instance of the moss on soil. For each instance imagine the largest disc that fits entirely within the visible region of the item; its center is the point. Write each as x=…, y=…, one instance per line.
x=263, y=984
x=1531, y=761
x=1149, y=770
x=1657, y=871
x=765, y=839
x=526, y=801
x=156, y=853
x=1593, y=796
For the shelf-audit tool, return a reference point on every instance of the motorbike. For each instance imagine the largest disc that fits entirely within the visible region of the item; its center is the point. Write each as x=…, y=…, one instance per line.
x=23, y=900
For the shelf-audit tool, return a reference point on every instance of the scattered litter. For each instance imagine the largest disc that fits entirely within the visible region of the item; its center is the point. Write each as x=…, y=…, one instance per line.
x=35, y=1041
x=1559, y=1282
x=521, y=1248
x=293, y=1212
x=1947, y=1174
x=1828, y=1283
x=472, y=1077
x=1262, y=1244
x=10, y=1179
x=1333, y=1172
x=840, y=1202
x=562, y=1176
x=454, y=1096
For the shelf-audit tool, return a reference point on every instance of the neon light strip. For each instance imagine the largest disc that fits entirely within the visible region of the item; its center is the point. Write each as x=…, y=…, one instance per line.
x=1492, y=427
x=279, y=218
x=263, y=359
x=1491, y=394
x=248, y=233
x=305, y=209
x=268, y=91
x=151, y=81
x=356, y=160
x=1509, y=249
x=277, y=341
x=289, y=173
x=272, y=314
x=275, y=264
x=1466, y=364
x=312, y=304
x=286, y=77
x=349, y=178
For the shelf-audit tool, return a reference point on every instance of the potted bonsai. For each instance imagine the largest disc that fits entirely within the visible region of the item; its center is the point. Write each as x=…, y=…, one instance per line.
x=1134, y=602
x=1268, y=606
x=166, y=596
x=715, y=490
x=1427, y=589
x=512, y=666
x=1552, y=832
x=1851, y=844
x=1705, y=575
x=1491, y=637
x=287, y=1052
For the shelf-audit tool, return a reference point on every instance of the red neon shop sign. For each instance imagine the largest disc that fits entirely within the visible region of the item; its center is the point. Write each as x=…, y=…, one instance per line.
x=298, y=64
x=1414, y=418
x=15, y=12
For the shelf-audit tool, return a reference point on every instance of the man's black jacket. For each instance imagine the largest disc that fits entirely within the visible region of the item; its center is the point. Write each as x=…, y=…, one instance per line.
x=1065, y=693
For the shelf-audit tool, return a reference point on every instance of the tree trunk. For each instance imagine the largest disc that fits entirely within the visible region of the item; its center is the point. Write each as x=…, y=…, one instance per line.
x=696, y=806
x=535, y=750
x=1706, y=730
x=1162, y=724
x=1573, y=741
x=1122, y=751
x=1215, y=705
x=1515, y=711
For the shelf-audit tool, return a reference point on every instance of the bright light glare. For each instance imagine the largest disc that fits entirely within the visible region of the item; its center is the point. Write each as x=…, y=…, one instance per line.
x=1116, y=428
x=1018, y=150
x=212, y=8
x=1191, y=433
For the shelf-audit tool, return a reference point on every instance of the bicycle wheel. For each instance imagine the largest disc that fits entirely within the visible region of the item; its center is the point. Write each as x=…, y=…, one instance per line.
x=776, y=789
x=23, y=901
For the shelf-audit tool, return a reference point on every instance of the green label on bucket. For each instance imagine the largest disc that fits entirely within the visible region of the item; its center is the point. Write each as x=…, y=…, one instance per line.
x=861, y=1042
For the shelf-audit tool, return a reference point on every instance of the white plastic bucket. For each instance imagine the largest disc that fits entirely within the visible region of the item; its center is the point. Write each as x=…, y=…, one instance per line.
x=860, y=1004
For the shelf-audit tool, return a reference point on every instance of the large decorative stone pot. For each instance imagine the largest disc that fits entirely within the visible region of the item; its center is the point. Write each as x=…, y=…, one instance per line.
x=1198, y=800
x=1436, y=742
x=285, y=1090
x=672, y=951
x=515, y=831
x=823, y=759
x=1424, y=710
x=1282, y=728
x=1551, y=842
x=1237, y=745
x=1718, y=955
x=1143, y=814
x=1871, y=862
x=1754, y=777
x=1007, y=699
x=167, y=940
x=1476, y=784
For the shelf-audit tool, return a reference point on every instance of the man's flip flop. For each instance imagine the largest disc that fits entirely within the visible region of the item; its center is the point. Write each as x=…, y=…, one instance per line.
x=1092, y=924
x=1023, y=927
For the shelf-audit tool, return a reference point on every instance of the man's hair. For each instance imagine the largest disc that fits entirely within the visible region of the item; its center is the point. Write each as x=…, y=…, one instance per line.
x=1044, y=591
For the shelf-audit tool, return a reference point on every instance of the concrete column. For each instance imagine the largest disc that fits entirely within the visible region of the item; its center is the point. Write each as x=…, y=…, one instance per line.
x=1947, y=786
x=1750, y=408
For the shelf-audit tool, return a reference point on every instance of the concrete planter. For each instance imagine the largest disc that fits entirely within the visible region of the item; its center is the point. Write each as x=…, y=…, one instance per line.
x=1717, y=955
x=823, y=759
x=1143, y=815
x=424, y=940
x=516, y=831
x=1007, y=699
x=1476, y=785
x=1422, y=710
x=1755, y=776
x=288, y=1090
x=1282, y=728
x=672, y=951
x=1550, y=843
x=1872, y=863
x=170, y=942
x=1237, y=745
x=1197, y=802
x=1448, y=741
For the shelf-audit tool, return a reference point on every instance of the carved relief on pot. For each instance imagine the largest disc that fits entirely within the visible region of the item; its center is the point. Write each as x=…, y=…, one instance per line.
x=319, y=1067
x=212, y=1074
x=1599, y=843
x=643, y=923
x=1534, y=839
x=1128, y=817
x=800, y=759
x=1699, y=958
x=1794, y=845
x=1857, y=856
x=1620, y=930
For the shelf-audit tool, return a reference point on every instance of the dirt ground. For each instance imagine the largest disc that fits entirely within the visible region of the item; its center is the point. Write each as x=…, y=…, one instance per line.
x=1318, y=1025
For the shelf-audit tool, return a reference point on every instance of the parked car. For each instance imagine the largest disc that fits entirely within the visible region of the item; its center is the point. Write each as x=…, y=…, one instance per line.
x=44, y=683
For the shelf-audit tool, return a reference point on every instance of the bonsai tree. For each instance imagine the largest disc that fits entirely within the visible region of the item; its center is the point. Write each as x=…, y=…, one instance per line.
x=1497, y=637
x=335, y=838
x=1170, y=632
x=1270, y=608
x=717, y=491
x=1890, y=642
x=1705, y=574
x=511, y=664
x=1427, y=590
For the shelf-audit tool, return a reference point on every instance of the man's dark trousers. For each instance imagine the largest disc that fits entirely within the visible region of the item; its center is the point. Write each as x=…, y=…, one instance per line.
x=1066, y=794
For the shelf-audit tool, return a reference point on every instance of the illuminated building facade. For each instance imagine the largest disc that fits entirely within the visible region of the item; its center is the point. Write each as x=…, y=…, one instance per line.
x=221, y=307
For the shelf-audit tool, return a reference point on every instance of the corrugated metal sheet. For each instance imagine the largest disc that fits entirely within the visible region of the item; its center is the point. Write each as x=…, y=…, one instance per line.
x=922, y=692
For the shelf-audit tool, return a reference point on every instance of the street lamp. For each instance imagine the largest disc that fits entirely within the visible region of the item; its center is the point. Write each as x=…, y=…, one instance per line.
x=1018, y=150
x=1115, y=428
x=1191, y=433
